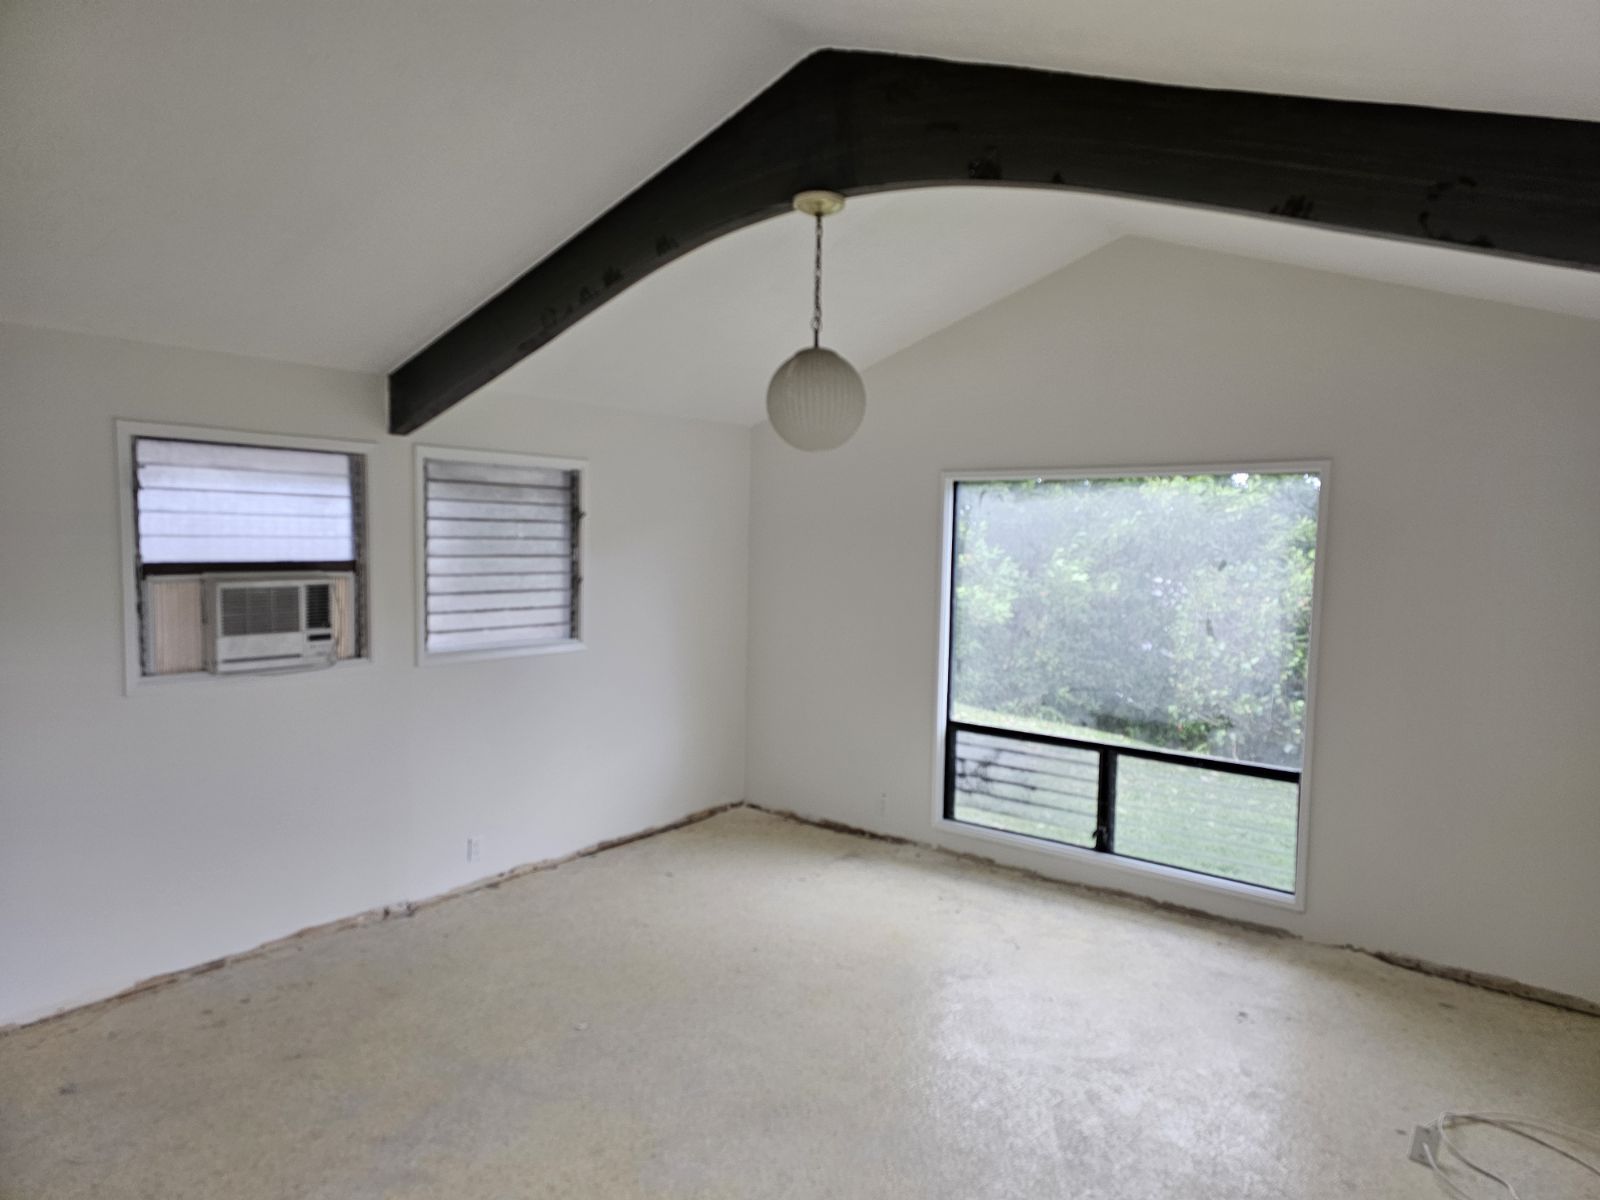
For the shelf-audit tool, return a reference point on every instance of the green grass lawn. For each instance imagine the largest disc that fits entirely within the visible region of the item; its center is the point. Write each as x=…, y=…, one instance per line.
x=1235, y=826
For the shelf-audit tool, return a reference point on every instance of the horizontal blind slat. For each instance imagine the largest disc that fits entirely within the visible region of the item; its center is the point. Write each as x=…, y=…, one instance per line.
x=1020, y=745
x=501, y=510
x=1017, y=805
x=1026, y=793
x=494, y=639
x=521, y=618
x=215, y=479
x=525, y=581
x=242, y=525
x=168, y=549
x=500, y=565
x=1047, y=767
x=468, y=472
x=484, y=528
x=499, y=492
x=158, y=451
x=176, y=500
x=477, y=547
x=492, y=601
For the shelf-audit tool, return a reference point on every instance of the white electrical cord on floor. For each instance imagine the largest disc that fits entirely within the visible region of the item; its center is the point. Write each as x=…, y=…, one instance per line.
x=1432, y=1143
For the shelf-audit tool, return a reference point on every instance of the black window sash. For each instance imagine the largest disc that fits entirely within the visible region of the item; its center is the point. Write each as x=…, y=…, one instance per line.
x=1106, y=791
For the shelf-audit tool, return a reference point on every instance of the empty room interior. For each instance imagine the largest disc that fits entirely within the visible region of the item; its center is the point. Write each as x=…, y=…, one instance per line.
x=868, y=598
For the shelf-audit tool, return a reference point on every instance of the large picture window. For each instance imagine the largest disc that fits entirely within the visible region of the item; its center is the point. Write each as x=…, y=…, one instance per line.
x=1129, y=664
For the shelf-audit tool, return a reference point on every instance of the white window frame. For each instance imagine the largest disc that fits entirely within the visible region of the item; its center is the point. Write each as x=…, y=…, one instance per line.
x=1114, y=865
x=578, y=466
x=134, y=679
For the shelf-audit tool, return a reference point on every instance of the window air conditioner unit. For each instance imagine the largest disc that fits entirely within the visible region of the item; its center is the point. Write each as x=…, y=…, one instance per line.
x=269, y=623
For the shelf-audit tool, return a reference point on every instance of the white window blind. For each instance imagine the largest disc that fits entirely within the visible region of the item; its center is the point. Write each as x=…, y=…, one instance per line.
x=206, y=502
x=500, y=546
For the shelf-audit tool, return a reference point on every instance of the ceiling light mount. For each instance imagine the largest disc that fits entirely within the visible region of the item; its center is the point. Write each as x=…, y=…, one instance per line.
x=818, y=202
x=816, y=399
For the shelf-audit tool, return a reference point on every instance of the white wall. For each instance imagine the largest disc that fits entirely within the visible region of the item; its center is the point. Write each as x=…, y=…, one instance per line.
x=1456, y=810
x=147, y=833
x=1456, y=782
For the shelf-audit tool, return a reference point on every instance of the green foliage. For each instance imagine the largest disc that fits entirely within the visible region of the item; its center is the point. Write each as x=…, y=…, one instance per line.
x=1173, y=611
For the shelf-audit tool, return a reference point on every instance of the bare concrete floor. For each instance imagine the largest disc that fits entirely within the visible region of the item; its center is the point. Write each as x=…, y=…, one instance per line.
x=753, y=1008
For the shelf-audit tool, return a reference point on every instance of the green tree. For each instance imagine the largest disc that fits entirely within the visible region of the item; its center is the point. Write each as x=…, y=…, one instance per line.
x=1172, y=610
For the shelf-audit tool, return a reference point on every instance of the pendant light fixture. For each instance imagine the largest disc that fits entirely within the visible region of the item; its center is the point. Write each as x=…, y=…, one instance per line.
x=816, y=399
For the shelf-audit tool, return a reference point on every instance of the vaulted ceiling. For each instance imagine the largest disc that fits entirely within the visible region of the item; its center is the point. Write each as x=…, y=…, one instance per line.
x=703, y=335
x=1536, y=58
x=336, y=182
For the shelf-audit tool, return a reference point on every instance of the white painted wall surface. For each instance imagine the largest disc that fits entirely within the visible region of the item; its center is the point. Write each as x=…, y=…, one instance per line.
x=148, y=833
x=1456, y=786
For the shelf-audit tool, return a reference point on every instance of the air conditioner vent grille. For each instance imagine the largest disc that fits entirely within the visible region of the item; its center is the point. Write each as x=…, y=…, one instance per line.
x=253, y=610
x=318, y=603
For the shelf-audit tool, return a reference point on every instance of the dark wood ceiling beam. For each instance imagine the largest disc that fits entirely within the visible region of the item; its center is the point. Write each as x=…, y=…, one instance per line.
x=862, y=122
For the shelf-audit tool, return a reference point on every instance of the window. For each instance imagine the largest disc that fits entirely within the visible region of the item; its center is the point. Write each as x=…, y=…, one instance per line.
x=498, y=553
x=1128, y=665
x=232, y=537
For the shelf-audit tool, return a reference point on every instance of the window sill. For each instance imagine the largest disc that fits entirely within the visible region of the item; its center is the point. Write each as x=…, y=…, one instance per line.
x=158, y=683
x=441, y=658
x=1115, y=864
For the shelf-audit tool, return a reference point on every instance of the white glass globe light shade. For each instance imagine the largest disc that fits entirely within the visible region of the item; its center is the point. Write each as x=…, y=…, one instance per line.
x=816, y=400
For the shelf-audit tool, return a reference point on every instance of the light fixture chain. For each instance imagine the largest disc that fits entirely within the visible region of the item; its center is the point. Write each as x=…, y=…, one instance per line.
x=816, y=291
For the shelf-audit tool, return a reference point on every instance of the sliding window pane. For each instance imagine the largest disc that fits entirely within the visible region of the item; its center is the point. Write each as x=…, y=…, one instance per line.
x=1019, y=786
x=1236, y=826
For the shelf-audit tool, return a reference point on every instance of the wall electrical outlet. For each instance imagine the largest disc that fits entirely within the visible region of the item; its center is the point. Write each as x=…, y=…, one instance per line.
x=474, y=849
